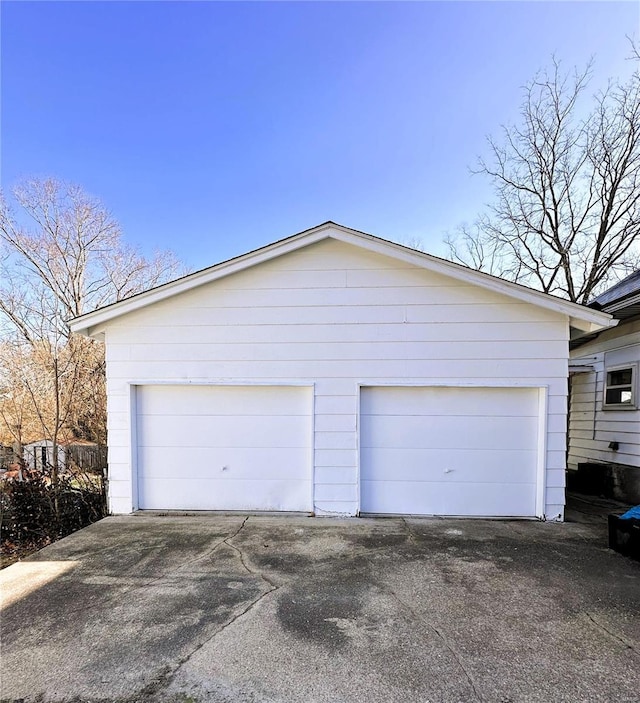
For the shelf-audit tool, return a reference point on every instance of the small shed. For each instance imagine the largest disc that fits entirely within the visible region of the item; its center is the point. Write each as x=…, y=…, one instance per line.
x=38, y=455
x=337, y=373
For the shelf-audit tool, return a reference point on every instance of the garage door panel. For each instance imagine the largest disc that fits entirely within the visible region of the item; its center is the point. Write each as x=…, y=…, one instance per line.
x=208, y=431
x=210, y=494
x=446, y=431
x=465, y=465
x=438, y=401
x=205, y=463
x=452, y=499
x=449, y=451
x=224, y=400
x=224, y=447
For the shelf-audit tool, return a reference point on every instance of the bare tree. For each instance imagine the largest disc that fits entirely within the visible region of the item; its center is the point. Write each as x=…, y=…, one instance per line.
x=566, y=215
x=69, y=259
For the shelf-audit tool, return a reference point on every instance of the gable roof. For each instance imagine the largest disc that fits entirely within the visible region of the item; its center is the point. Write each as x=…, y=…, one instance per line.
x=582, y=318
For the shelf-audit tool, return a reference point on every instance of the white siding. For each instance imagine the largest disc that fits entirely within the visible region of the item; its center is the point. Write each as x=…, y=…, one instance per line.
x=336, y=316
x=591, y=428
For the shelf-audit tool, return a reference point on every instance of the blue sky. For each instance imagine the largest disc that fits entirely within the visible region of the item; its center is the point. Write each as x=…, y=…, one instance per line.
x=213, y=128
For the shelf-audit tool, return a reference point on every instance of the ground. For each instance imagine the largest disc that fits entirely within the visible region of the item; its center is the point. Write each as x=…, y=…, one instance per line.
x=268, y=609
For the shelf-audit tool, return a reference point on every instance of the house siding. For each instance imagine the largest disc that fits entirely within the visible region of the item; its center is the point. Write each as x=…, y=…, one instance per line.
x=591, y=428
x=335, y=316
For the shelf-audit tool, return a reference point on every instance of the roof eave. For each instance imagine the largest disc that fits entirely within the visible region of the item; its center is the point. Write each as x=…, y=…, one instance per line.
x=622, y=303
x=592, y=326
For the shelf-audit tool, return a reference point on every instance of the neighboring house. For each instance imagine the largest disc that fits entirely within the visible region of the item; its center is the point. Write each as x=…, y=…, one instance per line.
x=336, y=373
x=604, y=428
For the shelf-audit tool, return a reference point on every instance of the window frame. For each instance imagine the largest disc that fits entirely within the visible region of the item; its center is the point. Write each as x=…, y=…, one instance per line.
x=633, y=405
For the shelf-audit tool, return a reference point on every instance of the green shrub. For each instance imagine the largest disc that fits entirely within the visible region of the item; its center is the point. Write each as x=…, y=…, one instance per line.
x=34, y=512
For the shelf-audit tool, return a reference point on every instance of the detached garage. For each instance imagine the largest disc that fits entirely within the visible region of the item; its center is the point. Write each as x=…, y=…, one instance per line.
x=336, y=373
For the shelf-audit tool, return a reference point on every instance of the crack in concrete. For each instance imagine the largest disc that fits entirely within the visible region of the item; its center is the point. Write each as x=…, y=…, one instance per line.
x=611, y=634
x=139, y=582
x=446, y=643
x=272, y=586
x=164, y=679
x=188, y=563
x=221, y=629
x=411, y=533
x=444, y=640
x=211, y=550
x=142, y=582
x=239, y=530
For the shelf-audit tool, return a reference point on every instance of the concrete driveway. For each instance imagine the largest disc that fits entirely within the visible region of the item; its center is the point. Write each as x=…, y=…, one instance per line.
x=210, y=608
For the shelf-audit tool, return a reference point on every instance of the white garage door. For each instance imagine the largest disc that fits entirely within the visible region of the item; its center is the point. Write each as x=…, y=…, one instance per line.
x=224, y=447
x=449, y=451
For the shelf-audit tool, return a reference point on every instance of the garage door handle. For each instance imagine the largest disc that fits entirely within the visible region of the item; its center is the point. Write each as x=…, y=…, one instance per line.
x=448, y=471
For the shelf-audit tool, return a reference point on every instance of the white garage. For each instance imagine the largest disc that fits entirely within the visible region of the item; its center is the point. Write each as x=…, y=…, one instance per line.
x=224, y=447
x=450, y=451
x=337, y=373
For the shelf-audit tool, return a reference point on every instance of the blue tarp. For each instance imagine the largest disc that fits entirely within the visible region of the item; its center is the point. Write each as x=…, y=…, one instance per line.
x=633, y=513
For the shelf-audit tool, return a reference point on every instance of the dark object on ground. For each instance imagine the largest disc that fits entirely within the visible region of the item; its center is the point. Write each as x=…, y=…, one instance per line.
x=624, y=536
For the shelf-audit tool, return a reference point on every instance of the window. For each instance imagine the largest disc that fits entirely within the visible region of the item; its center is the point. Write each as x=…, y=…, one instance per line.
x=619, y=387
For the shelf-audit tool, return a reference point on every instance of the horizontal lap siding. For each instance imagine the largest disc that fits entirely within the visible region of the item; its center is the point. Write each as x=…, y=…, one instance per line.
x=336, y=316
x=387, y=312
x=334, y=351
x=313, y=332
x=591, y=428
